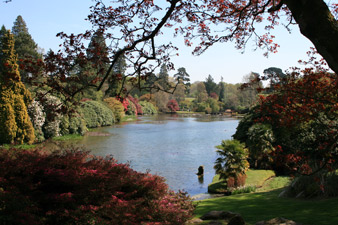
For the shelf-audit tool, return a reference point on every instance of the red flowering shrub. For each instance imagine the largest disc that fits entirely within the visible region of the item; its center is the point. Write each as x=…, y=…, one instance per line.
x=172, y=105
x=73, y=187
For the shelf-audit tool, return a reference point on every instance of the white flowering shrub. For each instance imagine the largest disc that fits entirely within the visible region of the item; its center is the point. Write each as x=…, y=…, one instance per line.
x=38, y=118
x=51, y=127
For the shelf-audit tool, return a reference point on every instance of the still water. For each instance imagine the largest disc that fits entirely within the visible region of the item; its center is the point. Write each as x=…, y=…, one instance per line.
x=172, y=147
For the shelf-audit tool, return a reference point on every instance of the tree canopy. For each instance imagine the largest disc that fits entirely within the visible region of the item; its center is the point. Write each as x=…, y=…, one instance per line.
x=132, y=28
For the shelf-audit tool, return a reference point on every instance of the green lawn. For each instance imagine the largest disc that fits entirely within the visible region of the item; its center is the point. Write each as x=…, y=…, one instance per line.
x=68, y=137
x=265, y=204
x=259, y=206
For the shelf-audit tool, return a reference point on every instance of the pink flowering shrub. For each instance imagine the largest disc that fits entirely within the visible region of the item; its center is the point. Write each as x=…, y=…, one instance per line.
x=138, y=107
x=73, y=187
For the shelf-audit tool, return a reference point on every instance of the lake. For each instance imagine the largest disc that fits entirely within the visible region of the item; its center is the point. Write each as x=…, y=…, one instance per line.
x=170, y=146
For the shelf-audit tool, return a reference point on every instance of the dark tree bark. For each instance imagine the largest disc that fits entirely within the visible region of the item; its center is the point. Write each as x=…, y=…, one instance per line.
x=317, y=23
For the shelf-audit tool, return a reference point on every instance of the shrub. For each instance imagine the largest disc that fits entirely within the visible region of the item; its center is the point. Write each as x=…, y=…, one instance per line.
x=138, y=108
x=236, y=181
x=320, y=184
x=131, y=109
x=148, y=108
x=96, y=114
x=72, y=124
x=38, y=118
x=73, y=187
x=243, y=189
x=117, y=107
x=51, y=105
x=172, y=105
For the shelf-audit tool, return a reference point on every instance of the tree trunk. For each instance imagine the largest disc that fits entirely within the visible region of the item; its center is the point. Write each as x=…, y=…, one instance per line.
x=317, y=23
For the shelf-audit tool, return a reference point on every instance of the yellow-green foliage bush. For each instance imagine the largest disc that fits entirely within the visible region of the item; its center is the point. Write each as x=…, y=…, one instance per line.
x=15, y=123
x=117, y=107
x=148, y=108
x=72, y=124
x=96, y=114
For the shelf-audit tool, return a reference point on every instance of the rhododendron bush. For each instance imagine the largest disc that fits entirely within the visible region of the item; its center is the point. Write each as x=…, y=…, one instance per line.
x=73, y=187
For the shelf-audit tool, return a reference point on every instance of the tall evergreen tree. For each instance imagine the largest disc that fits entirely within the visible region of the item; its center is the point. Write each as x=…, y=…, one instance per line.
x=221, y=90
x=2, y=33
x=210, y=85
x=97, y=51
x=163, y=77
x=25, y=46
x=182, y=77
x=115, y=81
x=15, y=123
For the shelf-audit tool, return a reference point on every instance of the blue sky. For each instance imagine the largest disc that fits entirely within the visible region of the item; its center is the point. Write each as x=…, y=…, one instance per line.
x=45, y=18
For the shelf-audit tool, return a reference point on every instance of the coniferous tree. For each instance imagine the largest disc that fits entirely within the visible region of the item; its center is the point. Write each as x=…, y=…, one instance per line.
x=2, y=33
x=221, y=91
x=15, y=123
x=210, y=85
x=115, y=82
x=163, y=77
x=25, y=46
x=97, y=51
x=182, y=76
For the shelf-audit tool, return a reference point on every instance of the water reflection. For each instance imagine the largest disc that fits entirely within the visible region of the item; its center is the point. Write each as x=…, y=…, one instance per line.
x=172, y=147
x=201, y=179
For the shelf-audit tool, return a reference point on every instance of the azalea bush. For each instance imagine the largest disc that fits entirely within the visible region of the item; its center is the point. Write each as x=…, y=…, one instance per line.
x=73, y=187
x=116, y=106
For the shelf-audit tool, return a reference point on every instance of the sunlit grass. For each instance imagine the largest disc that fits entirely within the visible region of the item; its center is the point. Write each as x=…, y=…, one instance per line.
x=258, y=177
x=68, y=137
x=129, y=118
x=254, y=178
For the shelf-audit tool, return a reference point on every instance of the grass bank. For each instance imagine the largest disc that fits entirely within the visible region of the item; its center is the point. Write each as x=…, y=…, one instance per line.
x=264, y=204
x=259, y=206
x=254, y=178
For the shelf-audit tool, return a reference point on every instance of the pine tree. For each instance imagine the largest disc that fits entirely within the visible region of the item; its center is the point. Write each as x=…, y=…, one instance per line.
x=210, y=85
x=15, y=123
x=163, y=77
x=221, y=91
x=25, y=46
x=2, y=33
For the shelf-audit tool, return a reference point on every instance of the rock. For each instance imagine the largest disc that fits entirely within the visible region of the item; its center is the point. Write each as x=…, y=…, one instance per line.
x=218, y=215
x=200, y=171
x=278, y=221
x=194, y=221
x=282, y=194
x=301, y=194
x=236, y=220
